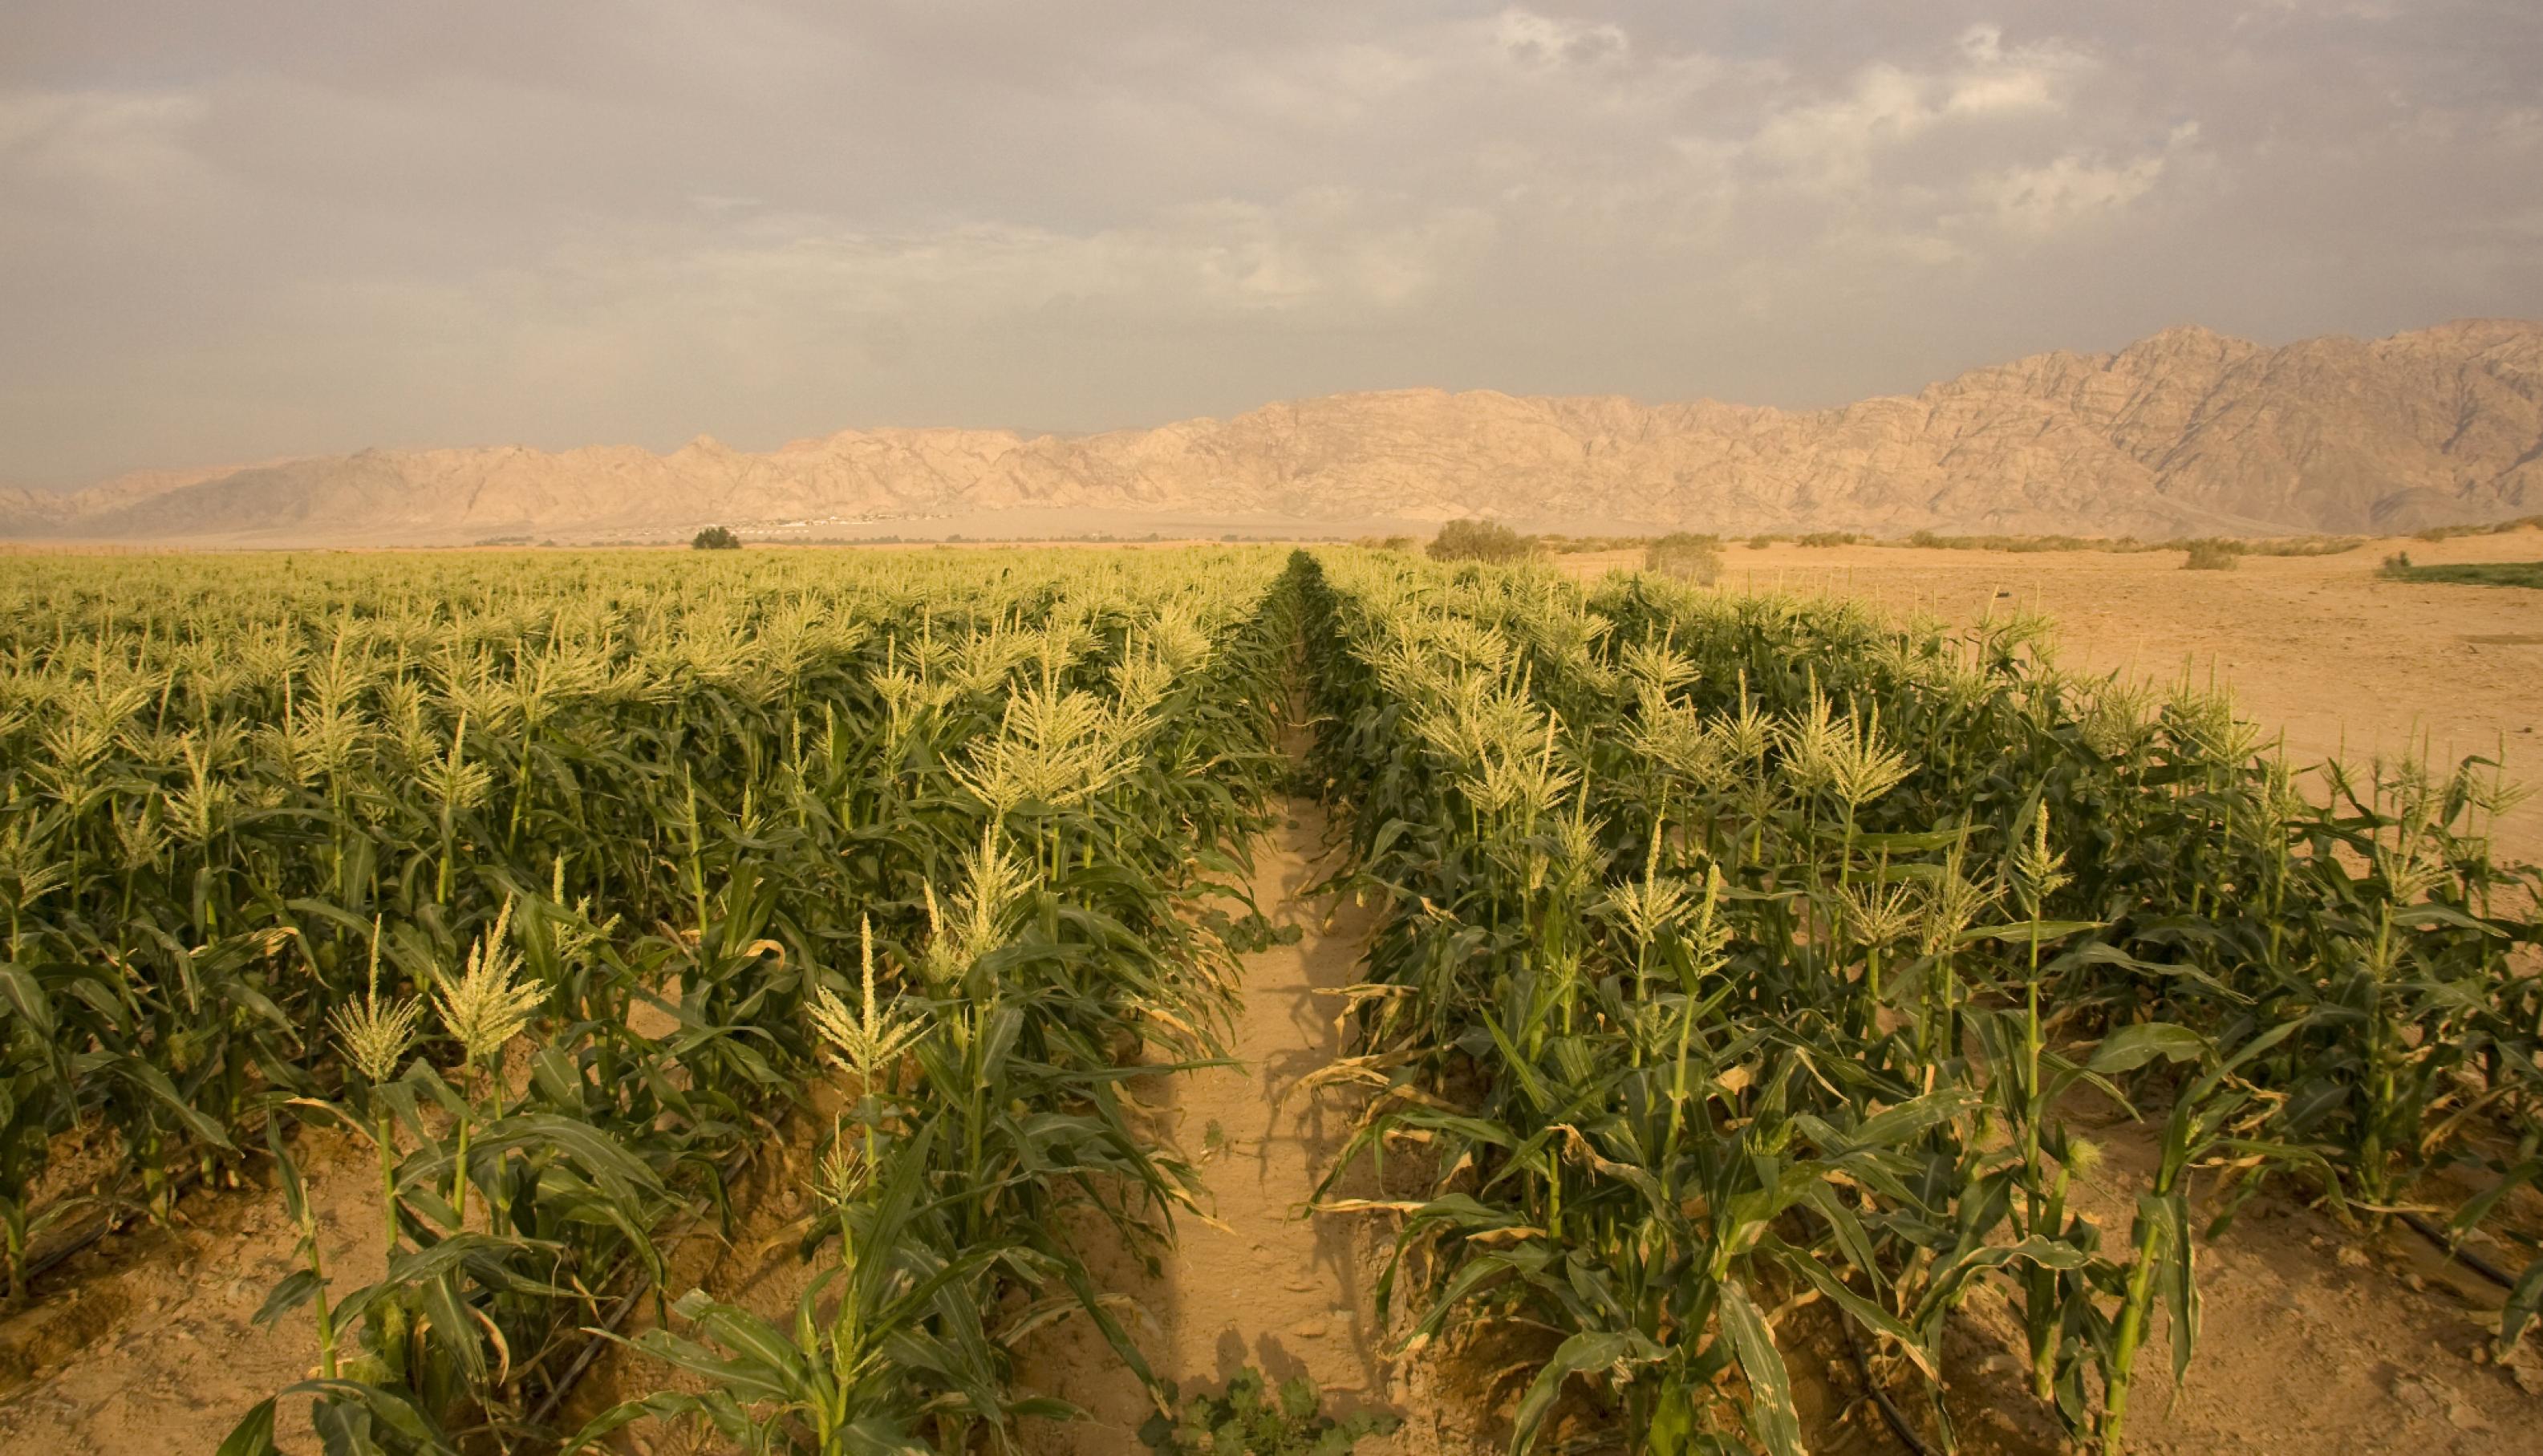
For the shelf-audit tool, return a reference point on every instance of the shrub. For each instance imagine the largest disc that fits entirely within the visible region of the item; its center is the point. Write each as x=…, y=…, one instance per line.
x=2481, y=528
x=1829, y=538
x=2305, y=545
x=2398, y=568
x=1685, y=555
x=1584, y=545
x=2213, y=555
x=1255, y=1420
x=714, y=538
x=1478, y=540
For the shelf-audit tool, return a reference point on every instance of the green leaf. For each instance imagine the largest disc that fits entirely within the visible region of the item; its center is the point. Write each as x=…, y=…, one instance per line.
x=2524, y=1305
x=1387, y=834
x=27, y=996
x=2180, y=1278
x=2131, y=1047
x=254, y=1434
x=1587, y=1351
x=1298, y=1399
x=1866, y=1314
x=296, y=1289
x=151, y=1079
x=1912, y=842
x=1673, y=1427
x=2427, y=913
x=1771, y=1416
x=1912, y=1118
x=390, y=1408
x=2021, y=932
x=295, y=1193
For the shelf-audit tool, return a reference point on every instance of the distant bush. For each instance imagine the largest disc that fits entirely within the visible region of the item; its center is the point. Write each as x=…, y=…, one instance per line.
x=1830, y=538
x=2529, y=573
x=1686, y=556
x=1478, y=540
x=2023, y=544
x=1584, y=545
x=714, y=538
x=2213, y=555
x=2304, y=545
x=1763, y=540
x=2485, y=528
x=2128, y=545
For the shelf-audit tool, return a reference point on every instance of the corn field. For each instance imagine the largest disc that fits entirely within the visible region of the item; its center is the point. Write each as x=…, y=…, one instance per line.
x=1750, y=955
x=408, y=847
x=1751, y=970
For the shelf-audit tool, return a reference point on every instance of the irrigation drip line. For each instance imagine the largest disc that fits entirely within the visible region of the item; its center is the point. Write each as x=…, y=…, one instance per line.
x=1890, y=1415
x=46, y=1263
x=2458, y=1252
x=121, y=1212
x=115, y=1220
x=583, y=1358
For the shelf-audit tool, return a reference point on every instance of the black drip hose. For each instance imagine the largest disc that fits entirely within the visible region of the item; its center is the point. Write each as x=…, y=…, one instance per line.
x=118, y=1216
x=2462, y=1255
x=1896, y=1419
x=113, y=1220
x=1890, y=1415
x=729, y=1170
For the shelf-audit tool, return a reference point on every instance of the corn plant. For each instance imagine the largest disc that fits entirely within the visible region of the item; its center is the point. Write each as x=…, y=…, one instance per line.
x=1840, y=1068
x=409, y=850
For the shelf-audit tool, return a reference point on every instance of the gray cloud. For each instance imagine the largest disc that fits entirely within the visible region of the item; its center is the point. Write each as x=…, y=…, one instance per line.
x=238, y=231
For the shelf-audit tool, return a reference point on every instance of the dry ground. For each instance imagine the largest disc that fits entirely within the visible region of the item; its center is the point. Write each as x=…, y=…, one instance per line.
x=1260, y=1284
x=146, y=1343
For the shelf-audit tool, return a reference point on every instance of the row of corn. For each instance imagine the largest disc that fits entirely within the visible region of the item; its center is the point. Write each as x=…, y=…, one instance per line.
x=554, y=883
x=1755, y=970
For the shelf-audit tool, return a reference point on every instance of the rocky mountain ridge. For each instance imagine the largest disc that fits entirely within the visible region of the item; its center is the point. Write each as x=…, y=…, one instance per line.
x=2187, y=432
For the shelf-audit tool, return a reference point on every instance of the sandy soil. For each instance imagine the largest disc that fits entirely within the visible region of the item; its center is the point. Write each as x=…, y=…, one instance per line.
x=147, y=1342
x=1266, y=1284
x=2345, y=662
x=2311, y=1340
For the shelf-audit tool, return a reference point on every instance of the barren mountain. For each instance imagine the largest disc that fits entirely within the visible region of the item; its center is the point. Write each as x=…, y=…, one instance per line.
x=2187, y=432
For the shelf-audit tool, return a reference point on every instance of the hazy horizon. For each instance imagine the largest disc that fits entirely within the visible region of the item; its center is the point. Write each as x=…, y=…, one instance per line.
x=68, y=484
x=279, y=229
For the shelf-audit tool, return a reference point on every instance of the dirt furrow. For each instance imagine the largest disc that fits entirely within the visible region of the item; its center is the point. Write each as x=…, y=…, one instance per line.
x=1261, y=1285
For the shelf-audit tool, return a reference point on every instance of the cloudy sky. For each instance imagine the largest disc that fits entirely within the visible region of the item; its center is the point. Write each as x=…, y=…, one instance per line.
x=255, y=228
